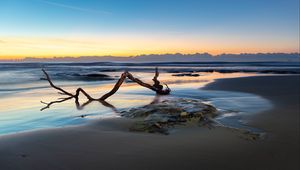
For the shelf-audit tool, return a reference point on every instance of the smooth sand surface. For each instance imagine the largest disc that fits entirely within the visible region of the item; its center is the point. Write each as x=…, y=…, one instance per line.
x=109, y=145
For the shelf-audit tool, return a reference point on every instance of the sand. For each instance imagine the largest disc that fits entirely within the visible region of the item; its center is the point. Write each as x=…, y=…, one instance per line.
x=107, y=144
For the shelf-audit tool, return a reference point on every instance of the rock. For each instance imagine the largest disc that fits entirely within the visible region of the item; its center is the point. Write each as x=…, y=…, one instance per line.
x=158, y=117
x=95, y=75
x=83, y=77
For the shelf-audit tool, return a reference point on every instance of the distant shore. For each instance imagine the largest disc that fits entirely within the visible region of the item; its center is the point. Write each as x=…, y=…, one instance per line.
x=170, y=57
x=108, y=144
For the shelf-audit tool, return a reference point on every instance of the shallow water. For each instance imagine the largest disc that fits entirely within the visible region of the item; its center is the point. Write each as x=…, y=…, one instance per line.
x=23, y=90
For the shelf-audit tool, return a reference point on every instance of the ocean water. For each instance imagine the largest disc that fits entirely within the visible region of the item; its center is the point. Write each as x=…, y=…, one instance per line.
x=22, y=88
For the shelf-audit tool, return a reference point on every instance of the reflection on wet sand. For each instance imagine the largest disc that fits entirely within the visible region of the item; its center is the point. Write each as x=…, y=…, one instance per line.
x=20, y=110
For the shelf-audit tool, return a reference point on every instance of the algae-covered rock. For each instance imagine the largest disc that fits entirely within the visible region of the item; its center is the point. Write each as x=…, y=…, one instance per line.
x=158, y=117
x=161, y=116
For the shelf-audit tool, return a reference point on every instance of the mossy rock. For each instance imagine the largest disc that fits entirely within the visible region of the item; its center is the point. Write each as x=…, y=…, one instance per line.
x=158, y=117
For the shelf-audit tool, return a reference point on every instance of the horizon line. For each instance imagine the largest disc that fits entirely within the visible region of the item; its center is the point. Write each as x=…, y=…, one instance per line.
x=134, y=56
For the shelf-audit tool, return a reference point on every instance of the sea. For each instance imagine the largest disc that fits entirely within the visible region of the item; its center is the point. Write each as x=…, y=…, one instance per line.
x=25, y=93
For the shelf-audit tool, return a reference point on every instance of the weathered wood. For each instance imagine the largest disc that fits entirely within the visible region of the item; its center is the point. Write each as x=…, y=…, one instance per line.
x=52, y=85
x=140, y=82
x=116, y=87
x=157, y=87
x=84, y=93
x=155, y=80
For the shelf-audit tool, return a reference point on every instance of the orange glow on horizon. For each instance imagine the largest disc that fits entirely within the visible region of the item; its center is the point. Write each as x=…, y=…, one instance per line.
x=129, y=45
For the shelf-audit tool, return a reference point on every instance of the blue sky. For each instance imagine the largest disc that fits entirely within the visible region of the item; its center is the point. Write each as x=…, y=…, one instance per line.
x=219, y=21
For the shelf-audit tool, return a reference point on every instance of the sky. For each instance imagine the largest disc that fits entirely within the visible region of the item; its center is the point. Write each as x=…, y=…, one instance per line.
x=48, y=28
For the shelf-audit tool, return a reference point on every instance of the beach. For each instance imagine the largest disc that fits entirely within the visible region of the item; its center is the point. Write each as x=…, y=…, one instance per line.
x=107, y=144
x=149, y=85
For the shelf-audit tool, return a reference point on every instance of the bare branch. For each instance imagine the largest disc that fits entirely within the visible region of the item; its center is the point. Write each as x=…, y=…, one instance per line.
x=52, y=85
x=140, y=82
x=157, y=87
x=155, y=80
x=116, y=87
x=84, y=93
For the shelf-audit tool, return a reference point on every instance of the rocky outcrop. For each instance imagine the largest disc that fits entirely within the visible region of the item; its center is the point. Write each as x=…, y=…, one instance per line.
x=186, y=74
x=158, y=117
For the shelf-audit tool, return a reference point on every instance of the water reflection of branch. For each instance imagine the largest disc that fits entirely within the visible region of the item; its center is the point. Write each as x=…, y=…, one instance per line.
x=55, y=101
x=81, y=106
x=104, y=103
x=78, y=105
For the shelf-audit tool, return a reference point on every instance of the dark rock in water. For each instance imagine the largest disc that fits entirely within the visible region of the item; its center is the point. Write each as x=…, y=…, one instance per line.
x=80, y=77
x=160, y=117
x=279, y=72
x=108, y=70
x=227, y=71
x=157, y=117
x=180, y=71
x=186, y=74
x=96, y=75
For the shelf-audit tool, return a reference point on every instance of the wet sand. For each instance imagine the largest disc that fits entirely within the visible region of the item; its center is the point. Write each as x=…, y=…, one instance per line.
x=109, y=145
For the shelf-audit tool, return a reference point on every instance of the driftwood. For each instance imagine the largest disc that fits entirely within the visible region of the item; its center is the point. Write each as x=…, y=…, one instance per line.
x=156, y=87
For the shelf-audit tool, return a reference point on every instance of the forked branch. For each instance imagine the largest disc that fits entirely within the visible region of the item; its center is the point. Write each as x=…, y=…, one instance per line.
x=157, y=87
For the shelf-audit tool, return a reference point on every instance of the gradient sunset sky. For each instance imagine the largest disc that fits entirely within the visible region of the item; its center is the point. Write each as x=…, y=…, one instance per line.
x=47, y=28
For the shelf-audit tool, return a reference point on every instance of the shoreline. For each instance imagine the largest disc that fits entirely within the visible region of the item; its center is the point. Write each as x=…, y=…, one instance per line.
x=101, y=144
x=24, y=118
x=182, y=91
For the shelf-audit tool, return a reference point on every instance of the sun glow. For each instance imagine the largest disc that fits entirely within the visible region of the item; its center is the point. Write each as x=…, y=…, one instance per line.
x=119, y=45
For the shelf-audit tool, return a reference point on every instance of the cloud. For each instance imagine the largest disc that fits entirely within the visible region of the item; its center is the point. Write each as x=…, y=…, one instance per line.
x=2, y=42
x=75, y=7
